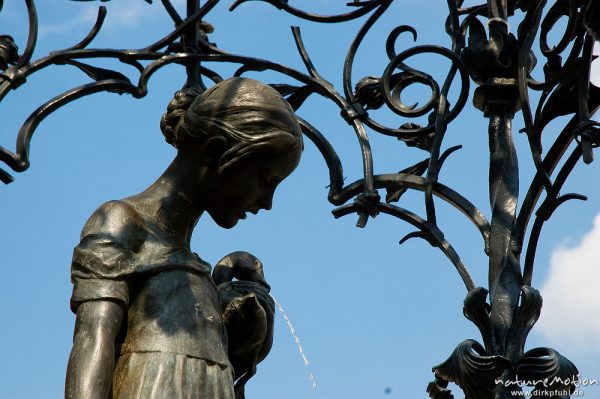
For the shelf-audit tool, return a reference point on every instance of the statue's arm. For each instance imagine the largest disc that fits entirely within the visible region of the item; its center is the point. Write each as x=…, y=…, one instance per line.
x=107, y=240
x=92, y=360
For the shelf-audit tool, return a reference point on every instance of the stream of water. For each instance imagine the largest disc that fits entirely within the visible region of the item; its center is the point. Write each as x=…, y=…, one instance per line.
x=311, y=376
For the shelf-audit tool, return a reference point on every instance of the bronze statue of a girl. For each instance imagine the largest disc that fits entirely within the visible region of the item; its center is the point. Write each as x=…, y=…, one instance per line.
x=149, y=316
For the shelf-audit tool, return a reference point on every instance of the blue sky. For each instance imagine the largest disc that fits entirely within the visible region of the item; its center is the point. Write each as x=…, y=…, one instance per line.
x=370, y=314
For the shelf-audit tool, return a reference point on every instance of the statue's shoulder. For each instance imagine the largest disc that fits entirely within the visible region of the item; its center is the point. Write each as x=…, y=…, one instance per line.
x=117, y=221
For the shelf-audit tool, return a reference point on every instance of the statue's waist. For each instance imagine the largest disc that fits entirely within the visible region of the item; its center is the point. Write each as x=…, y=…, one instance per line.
x=177, y=312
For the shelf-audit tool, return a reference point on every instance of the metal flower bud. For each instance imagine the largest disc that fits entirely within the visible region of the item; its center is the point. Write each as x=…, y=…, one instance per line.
x=369, y=92
x=8, y=52
x=495, y=56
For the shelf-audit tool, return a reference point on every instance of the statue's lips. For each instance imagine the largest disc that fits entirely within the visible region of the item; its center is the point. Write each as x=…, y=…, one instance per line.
x=242, y=214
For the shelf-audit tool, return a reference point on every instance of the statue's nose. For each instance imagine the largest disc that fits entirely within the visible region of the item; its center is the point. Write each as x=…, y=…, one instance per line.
x=266, y=202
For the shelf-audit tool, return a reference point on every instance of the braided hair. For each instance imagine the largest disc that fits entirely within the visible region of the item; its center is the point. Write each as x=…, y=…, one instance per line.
x=170, y=122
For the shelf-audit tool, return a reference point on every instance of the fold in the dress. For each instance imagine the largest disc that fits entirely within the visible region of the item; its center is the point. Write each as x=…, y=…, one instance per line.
x=161, y=375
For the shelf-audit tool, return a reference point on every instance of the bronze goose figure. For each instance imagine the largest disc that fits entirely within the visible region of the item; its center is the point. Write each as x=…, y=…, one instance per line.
x=248, y=313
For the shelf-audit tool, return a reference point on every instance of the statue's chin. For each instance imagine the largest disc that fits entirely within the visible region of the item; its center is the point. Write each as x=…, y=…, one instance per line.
x=226, y=223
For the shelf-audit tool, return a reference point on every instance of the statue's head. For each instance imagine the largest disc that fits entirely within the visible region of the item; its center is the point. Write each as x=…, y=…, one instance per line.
x=245, y=134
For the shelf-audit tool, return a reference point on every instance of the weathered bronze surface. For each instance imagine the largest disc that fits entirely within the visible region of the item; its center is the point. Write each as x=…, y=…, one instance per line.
x=135, y=251
x=151, y=321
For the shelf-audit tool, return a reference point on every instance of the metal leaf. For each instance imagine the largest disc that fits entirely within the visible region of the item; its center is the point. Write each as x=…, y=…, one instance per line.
x=526, y=315
x=284, y=89
x=423, y=141
x=471, y=369
x=549, y=372
x=477, y=310
x=97, y=73
x=297, y=99
x=564, y=98
x=393, y=195
x=438, y=389
x=295, y=95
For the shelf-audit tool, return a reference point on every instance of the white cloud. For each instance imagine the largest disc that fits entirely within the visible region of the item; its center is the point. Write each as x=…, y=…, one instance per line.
x=129, y=13
x=85, y=18
x=121, y=14
x=570, y=316
x=595, y=78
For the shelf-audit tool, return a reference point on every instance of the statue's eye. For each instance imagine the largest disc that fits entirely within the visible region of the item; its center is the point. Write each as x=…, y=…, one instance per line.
x=266, y=179
x=263, y=178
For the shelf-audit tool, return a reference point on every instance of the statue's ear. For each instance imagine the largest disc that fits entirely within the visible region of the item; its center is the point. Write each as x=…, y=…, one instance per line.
x=213, y=149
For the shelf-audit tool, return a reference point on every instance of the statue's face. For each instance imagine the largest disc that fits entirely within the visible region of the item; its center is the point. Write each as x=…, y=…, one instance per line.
x=248, y=186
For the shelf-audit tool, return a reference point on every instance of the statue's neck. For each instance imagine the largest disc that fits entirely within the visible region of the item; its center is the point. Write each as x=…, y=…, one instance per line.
x=172, y=202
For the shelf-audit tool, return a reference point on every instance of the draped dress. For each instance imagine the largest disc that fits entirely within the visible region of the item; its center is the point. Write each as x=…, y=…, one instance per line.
x=173, y=342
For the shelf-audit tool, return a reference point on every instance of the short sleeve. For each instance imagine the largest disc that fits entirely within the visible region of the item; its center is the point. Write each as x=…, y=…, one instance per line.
x=103, y=259
x=96, y=271
x=95, y=289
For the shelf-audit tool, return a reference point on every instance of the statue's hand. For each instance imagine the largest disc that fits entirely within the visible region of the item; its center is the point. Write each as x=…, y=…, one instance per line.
x=241, y=265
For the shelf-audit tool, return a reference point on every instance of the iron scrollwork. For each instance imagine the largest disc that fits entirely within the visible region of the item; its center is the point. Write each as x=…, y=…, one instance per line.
x=500, y=63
